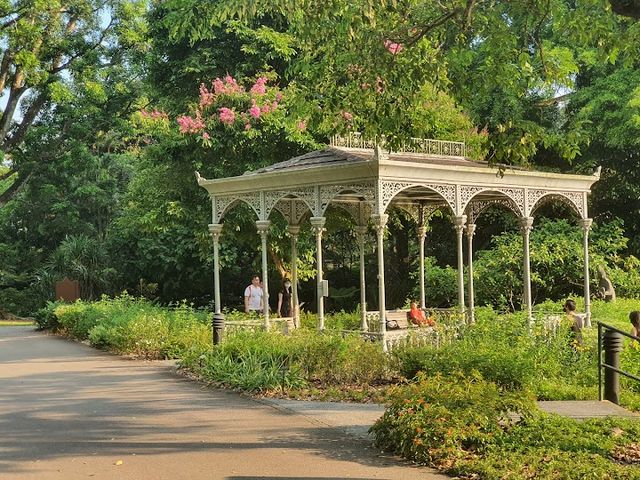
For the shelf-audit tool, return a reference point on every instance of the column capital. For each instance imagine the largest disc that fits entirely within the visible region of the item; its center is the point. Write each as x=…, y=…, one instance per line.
x=526, y=224
x=263, y=226
x=318, y=221
x=459, y=222
x=471, y=229
x=379, y=219
x=361, y=230
x=215, y=229
x=294, y=230
x=585, y=223
x=422, y=232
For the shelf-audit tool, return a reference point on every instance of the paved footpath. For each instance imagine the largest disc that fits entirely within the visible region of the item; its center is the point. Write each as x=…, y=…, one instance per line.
x=70, y=412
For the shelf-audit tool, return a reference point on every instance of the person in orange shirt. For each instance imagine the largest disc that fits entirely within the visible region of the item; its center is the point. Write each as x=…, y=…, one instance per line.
x=417, y=316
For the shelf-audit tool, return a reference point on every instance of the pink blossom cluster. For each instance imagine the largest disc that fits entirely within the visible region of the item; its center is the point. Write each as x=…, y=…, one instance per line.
x=347, y=116
x=301, y=125
x=393, y=47
x=226, y=115
x=226, y=85
x=189, y=124
x=154, y=114
x=269, y=107
x=255, y=110
x=260, y=88
x=206, y=96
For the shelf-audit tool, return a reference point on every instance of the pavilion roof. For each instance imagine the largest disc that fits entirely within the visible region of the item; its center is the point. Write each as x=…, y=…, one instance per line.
x=333, y=155
x=353, y=170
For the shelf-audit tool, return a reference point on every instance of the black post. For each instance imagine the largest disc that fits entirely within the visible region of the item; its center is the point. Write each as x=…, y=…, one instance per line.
x=600, y=397
x=218, y=328
x=612, y=342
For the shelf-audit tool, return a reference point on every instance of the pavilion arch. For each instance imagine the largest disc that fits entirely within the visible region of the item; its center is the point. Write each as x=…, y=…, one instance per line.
x=359, y=212
x=294, y=208
x=346, y=193
x=414, y=194
x=573, y=201
x=225, y=205
x=482, y=199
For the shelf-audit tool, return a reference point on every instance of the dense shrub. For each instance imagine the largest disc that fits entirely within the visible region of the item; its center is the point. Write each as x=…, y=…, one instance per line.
x=502, y=351
x=267, y=360
x=46, y=318
x=134, y=326
x=468, y=426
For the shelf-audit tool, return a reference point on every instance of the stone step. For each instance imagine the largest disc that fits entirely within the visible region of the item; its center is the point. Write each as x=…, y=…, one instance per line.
x=581, y=409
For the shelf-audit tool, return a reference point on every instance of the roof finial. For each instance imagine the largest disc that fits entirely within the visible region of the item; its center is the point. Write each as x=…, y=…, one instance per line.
x=200, y=179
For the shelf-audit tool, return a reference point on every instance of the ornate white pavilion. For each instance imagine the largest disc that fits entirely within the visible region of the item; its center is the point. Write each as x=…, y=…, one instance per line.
x=364, y=179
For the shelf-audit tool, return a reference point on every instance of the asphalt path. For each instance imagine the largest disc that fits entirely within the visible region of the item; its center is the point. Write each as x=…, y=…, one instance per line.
x=68, y=412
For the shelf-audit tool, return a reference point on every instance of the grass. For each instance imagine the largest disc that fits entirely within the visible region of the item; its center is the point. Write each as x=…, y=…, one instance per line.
x=16, y=323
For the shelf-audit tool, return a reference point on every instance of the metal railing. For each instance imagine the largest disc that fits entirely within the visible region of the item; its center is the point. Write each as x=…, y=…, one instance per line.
x=610, y=339
x=416, y=145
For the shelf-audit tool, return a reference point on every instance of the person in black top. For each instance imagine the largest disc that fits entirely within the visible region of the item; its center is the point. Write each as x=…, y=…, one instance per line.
x=285, y=301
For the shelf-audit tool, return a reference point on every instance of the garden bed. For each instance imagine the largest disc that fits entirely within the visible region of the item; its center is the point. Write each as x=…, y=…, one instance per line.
x=474, y=385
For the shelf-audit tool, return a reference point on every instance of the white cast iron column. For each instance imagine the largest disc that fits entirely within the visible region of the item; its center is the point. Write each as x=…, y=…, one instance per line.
x=263, y=230
x=216, y=230
x=459, y=226
x=361, y=232
x=526, y=223
x=294, y=231
x=471, y=230
x=422, y=233
x=380, y=222
x=318, y=225
x=585, y=223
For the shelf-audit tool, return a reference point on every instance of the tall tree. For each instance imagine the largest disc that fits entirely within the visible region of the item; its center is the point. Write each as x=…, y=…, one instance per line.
x=46, y=46
x=504, y=61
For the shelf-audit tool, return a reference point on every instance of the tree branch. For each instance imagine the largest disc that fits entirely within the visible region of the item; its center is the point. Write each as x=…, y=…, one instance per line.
x=4, y=68
x=27, y=119
x=6, y=175
x=84, y=51
x=433, y=25
x=16, y=92
x=14, y=189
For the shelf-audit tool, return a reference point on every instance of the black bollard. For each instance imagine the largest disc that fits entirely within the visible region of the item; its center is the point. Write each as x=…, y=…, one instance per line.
x=217, y=327
x=612, y=343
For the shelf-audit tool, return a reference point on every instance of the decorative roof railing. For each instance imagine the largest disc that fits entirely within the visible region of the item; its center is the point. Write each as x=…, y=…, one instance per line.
x=417, y=145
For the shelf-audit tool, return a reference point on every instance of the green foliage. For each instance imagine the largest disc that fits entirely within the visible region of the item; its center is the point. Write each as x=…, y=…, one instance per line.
x=267, y=360
x=132, y=326
x=556, y=263
x=503, y=61
x=467, y=426
x=46, y=318
x=504, y=353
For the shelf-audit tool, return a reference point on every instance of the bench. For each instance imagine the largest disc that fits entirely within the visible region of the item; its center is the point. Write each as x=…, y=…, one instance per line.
x=401, y=317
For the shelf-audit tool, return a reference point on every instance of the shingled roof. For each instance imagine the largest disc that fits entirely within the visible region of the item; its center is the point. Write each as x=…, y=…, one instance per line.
x=342, y=155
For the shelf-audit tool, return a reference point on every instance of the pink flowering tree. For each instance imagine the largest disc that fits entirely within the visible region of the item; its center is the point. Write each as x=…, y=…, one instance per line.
x=232, y=109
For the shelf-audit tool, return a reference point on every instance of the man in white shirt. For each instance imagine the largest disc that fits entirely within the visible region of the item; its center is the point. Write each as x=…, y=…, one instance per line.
x=254, y=296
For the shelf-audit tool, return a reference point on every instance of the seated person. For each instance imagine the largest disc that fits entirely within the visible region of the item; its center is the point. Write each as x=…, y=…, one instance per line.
x=576, y=320
x=417, y=317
